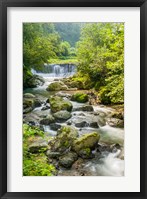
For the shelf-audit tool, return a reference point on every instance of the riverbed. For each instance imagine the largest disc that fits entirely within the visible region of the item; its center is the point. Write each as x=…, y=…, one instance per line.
x=108, y=160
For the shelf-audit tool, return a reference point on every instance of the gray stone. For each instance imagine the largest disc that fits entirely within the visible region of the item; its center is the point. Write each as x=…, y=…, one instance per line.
x=68, y=159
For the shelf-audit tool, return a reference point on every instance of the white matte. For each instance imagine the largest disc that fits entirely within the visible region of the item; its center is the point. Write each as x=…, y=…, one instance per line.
x=131, y=181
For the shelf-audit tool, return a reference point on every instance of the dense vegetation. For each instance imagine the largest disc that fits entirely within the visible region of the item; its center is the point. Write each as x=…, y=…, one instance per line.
x=34, y=165
x=98, y=48
x=101, y=58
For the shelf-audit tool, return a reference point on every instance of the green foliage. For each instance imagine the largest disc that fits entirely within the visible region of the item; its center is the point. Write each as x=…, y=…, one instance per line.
x=38, y=46
x=82, y=81
x=31, y=131
x=69, y=32
x=64, y=48
x=101, y=57
x=34, y=164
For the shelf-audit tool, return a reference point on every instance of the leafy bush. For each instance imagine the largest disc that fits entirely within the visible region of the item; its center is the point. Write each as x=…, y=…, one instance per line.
x=35, y=164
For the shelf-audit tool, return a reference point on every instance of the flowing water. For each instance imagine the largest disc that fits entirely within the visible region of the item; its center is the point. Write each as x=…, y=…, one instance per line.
x=104, y=164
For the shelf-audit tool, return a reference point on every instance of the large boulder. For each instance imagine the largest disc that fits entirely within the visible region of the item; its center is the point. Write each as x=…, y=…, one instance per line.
x=114, y=122
x=48, y=120
x=35, y=81
x=55, y=126
x=30, y=103
x=80, y=97
x=62, y=116
x=64, y=139
x=58, y=103
x=68, y=159
x=81, y=124
x=86, y=141
x=38, y=146
x=56, y=86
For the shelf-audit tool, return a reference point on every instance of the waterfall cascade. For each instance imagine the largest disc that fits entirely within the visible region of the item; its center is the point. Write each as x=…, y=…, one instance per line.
x=57, y=70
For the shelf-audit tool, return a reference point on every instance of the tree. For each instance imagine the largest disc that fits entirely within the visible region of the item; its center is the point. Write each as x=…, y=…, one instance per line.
x=101, y=57
x=64, y=48
x=38, y=46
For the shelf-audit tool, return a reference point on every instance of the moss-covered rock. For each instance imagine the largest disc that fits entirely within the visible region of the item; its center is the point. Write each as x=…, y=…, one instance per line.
x=28, y=95
x=68, y=159
x=48, y=120
x=56, y=86
x=64, y=139
x=58, y=103
x=86, y=141
x=85, y=153
x=38, y=146
x=62, y=116
x=34, y=81
x=80, y=97
x=28, y=103
x=70, y=131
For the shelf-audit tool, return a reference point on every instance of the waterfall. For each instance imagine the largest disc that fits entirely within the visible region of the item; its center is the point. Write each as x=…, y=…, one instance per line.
x=56, y=70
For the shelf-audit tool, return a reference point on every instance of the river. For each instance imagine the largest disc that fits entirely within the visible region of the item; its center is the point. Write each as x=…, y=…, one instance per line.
x=106, y=163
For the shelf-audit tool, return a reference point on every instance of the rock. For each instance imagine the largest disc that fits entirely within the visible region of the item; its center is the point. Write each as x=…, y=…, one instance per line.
x=81, y=124
x=48, y=120
x=93, y=125
x=37, y=103
x=31, y=104
x=64, y=139
x=88, y=108
x=68, y=159
x=38, y=146
x=55, y=126
x=52, y=154
x=73, y=84
x=28, y=95
x=114, y=122
x=118, y=115
x=70, y=131
x=28, y=103
x=101, y=121
x=85, y=153
x=35, y=81
x=47, y=101
x=32, y=123
x=62, y=116
x=104, y=148
x=80, y=97
x=61, y=94
x=45, y=108
x=115, y=147
x=27, y=110
x=86, y=141
x=56, y=86
x=58, y=104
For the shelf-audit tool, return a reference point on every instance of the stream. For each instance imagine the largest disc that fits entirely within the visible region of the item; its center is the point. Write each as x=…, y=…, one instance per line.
x=107, y=162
